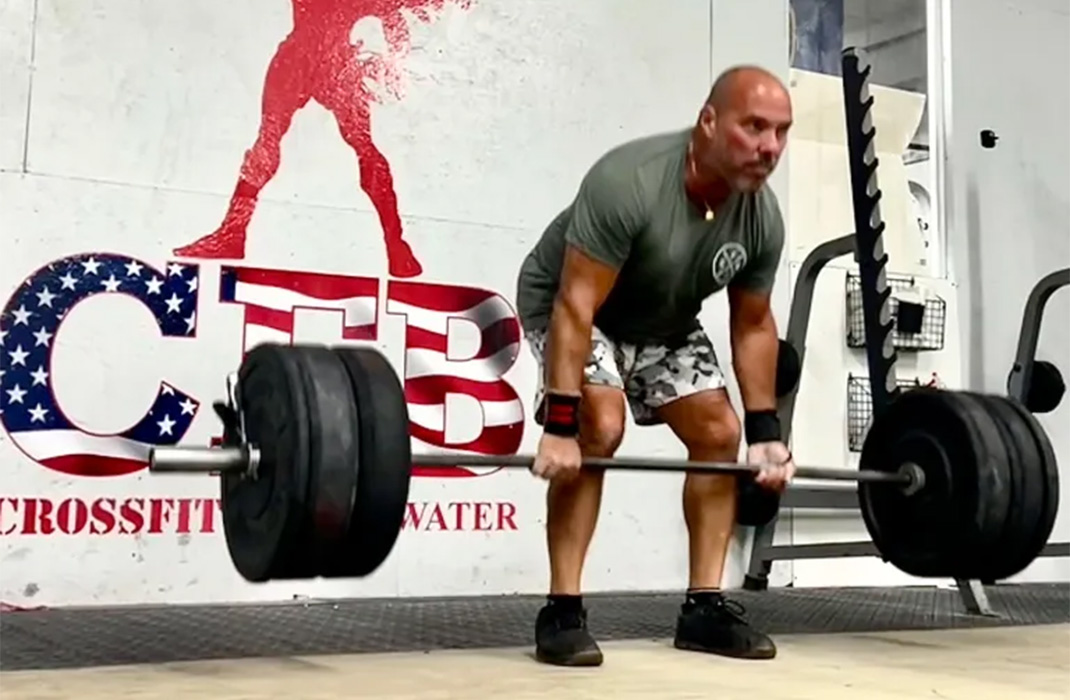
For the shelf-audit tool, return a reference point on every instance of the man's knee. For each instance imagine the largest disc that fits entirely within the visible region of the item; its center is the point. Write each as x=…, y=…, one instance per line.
x=706, y=423
x=601, y=420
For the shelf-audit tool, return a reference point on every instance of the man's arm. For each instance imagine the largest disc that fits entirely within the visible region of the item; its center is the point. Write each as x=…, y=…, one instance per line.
x=606, y=216
x=755, y=343
x=585, y=284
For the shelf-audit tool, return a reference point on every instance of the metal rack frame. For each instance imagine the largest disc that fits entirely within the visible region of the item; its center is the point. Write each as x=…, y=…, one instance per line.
x=1022, y=372
x=763, y=552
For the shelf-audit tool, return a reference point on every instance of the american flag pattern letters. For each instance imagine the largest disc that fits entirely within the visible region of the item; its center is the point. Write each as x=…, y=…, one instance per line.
x=34, y=419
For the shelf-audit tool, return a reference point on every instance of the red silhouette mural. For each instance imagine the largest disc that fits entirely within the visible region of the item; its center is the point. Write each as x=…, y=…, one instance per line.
x=317, y=61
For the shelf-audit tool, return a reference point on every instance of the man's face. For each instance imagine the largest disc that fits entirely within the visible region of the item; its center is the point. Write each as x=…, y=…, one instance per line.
x=746, y=138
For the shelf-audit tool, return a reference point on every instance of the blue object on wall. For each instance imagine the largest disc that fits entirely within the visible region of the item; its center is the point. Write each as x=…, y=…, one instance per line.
x=818, y=35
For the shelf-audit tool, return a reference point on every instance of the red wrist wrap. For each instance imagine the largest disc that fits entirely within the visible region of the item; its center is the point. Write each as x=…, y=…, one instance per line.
x=561, y=414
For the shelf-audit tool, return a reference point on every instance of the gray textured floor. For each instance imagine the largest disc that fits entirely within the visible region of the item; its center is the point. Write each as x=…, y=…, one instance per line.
x=110, y=636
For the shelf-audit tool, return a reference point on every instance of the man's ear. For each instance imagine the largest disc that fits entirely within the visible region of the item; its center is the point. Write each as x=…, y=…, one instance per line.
x=707, y=119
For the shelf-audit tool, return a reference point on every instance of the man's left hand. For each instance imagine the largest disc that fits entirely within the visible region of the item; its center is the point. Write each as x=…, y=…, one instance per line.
x=778, y=467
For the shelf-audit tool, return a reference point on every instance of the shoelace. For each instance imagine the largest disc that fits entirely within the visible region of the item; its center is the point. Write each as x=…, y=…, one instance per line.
x=725, y=606
x=570, y=619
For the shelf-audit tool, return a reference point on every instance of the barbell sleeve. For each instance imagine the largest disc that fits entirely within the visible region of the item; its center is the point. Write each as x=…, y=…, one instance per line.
x=190, y=459
x=225, y=459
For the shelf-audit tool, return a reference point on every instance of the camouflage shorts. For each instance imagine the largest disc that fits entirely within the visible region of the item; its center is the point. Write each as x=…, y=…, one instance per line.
x=650, y=375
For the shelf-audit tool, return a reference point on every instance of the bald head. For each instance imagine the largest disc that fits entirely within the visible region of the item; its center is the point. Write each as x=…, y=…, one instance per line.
x=742, y=128
x=735, y=85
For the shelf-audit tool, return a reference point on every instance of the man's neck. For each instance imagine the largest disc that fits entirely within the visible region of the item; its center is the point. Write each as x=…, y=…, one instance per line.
x=703, y=186
x=706, y=190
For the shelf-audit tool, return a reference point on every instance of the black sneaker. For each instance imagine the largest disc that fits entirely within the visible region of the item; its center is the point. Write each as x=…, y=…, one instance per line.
x=562, y=639
x=716, y=626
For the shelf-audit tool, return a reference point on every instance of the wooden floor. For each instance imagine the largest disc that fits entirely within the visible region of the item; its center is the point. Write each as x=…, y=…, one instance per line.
x=1015, y=663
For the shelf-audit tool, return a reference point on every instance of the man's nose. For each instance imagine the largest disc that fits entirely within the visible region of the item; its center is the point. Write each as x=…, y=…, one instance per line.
x=769, y=145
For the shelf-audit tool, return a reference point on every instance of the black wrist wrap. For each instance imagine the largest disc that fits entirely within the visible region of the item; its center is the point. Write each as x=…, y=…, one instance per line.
x=761, y=426
x=561, y=414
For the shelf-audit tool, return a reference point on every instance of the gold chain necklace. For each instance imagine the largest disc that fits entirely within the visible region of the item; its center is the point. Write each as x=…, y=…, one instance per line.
x=710, y=215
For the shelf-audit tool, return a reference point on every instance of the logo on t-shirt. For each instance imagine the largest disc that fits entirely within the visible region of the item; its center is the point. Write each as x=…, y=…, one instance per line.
x=730, y=259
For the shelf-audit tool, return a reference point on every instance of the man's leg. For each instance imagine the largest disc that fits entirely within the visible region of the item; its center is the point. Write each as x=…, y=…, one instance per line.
x=572, y=508
x=707, y=425
x=685, y=388
x=572, y=505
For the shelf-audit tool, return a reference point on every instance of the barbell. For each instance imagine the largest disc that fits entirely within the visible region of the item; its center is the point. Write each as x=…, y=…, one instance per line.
x=316, y=460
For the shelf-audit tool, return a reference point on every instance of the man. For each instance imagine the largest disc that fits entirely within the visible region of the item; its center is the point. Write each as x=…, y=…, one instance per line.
x=609, y=300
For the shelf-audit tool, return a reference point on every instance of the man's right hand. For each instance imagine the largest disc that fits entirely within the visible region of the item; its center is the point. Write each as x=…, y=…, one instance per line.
x=557, y=457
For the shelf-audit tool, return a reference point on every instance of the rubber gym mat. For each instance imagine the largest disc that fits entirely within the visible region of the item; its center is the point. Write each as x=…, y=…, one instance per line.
x=68, y=638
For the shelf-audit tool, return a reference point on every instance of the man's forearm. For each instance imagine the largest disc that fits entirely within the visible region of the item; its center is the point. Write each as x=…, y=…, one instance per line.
x=754, y=357
x=568, y=346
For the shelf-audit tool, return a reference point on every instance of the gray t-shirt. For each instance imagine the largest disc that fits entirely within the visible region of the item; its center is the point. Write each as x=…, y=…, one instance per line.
x=631, y=212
